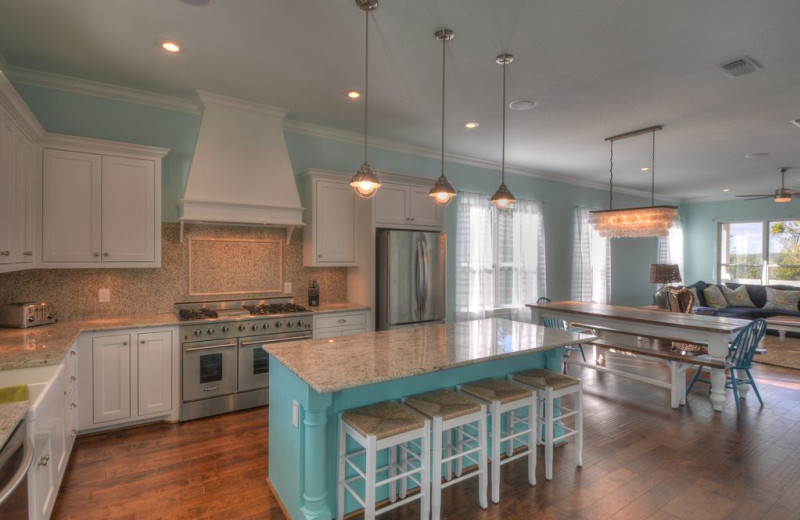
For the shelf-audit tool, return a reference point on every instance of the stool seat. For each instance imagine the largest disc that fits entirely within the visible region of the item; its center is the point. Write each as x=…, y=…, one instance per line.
x=495, y=390
x=540, y=379
x=446, y=404
x=383, y=419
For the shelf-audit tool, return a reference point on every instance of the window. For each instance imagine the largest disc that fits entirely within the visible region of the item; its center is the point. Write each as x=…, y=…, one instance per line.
x=591, y=264
x=765, y=253
x=499, y=257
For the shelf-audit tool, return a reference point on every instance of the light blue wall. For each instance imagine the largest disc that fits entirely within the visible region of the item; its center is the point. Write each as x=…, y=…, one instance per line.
x=700, y=229
x=88, y=116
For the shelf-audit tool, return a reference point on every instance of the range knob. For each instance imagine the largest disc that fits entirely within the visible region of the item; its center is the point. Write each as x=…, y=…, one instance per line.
x=210, y=331
x=197, y=332
x=242, y=327
x=278, y=324
x=289, y=324
x=266, y=325
x=299, y=323
x=31, y=319
x=254, y=327
x=225, y=328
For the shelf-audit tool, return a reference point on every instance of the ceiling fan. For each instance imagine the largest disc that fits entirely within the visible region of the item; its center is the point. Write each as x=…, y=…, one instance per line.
x=782, y=194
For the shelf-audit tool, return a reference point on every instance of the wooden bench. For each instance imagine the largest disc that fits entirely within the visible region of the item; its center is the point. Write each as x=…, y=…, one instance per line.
x=658, y=349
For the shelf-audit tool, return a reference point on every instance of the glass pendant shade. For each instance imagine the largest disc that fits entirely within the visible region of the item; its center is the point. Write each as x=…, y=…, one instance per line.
x=442, y=192
x=503, y=197
x=365, y=182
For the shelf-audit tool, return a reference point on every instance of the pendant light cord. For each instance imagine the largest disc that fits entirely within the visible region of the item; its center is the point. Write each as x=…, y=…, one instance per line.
x=366, y=85
x=503, y=154
x=653, y=173
x=611, y=178
x=444, y=45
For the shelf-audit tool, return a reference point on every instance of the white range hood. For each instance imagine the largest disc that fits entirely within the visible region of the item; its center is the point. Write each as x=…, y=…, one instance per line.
x=240, y=173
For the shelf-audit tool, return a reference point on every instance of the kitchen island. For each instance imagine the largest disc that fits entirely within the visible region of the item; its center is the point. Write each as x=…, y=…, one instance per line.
x=312, y=381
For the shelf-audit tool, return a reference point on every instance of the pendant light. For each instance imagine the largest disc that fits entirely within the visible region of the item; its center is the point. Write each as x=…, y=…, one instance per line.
x=443, y=192
x=365, y=182
x=503, y=197
x=648, y=221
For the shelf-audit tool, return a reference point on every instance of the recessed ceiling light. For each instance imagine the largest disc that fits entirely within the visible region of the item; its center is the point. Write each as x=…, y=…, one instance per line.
x=471, y=124
x=726, y=190
x=171, y=46
x=645, y=168
x=796, y=122
x=522, y=104
x=756, y=155
x=353, y=94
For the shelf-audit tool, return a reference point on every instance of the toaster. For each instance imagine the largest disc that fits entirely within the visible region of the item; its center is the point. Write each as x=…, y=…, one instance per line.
x=24, y=315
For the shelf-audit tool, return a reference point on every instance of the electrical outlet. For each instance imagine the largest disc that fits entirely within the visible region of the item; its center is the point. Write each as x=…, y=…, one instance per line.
x=104, y=295
x=296, y=414
x=287, y=287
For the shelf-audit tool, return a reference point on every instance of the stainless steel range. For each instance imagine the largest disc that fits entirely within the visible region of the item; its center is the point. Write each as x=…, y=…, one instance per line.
x=223, y=366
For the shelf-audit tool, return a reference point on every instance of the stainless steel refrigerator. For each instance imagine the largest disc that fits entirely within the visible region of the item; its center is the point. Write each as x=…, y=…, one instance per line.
x=410, y=278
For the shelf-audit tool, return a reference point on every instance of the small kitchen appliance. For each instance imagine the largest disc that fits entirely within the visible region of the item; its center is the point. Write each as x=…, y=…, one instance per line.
x=313, y=294
x=25, y=314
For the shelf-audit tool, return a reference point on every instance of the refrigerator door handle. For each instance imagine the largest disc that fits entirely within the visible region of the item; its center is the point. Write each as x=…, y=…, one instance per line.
x=425, y=277
x=419, y=267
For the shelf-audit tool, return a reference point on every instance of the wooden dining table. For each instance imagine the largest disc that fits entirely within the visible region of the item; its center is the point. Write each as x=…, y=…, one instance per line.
x=714, y=331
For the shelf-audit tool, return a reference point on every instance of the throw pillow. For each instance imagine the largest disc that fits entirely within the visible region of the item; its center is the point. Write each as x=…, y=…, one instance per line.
x=714, y=297
x=782, y=300
x=738, y=297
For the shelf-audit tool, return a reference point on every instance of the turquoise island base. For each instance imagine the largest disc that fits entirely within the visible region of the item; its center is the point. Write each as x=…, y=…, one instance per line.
x=312, y=381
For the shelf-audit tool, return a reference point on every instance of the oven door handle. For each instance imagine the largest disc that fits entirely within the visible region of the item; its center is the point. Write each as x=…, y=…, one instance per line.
x=263, y=341
x=209, y=347
x=21, y=473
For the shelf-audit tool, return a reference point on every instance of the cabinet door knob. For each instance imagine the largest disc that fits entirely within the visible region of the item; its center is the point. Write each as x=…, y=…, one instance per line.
x=105, y=254
x=124, y=343
x=73, y=353
x=72, y=378
x=95, y=254
x=319, y=256
x=142, y=342
x=73, y=406
x=5, y=253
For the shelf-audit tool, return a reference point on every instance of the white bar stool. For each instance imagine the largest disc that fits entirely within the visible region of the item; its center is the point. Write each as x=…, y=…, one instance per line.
x=507, y=398
x=384, y=426
x=550, y=386
x=452, y=411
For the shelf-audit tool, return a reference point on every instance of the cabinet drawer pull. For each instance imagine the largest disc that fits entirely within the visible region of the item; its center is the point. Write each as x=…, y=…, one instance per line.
x=44, y=460
x=342, y=320
x=5, y=253
x=72, y=378
x=28, y=253
x=124, y=343
x=105, y=254
x=142, y=342
x=95, y=254
x=72, y=353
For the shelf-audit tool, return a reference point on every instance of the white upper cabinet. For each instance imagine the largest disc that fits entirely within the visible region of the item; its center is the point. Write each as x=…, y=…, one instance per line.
x=329, y=238
x=18, y=198
x=407, y=207
x=20, y=177
x=101, y=204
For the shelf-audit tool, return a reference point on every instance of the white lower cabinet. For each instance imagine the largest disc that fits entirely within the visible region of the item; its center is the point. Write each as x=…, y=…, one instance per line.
x=332, y=324
x=131, y=377
x=51, y=429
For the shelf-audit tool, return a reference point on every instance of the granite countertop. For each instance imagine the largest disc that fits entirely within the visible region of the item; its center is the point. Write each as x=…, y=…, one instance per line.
x=334, y=364
x=47, y=344
x=338, y=307
x=10, y=415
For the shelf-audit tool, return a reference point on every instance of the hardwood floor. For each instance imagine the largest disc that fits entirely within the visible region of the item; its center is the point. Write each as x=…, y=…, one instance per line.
x=641, y=460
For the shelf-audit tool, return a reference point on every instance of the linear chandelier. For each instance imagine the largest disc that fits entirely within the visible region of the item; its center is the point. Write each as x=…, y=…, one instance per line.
x=648, y=221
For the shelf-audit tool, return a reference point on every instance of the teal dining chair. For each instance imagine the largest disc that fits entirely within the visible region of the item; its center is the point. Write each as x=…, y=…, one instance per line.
x=554, y=323
x=740, y=357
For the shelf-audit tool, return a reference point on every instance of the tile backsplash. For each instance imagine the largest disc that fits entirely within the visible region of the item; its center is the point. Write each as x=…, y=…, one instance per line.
x=73, y=293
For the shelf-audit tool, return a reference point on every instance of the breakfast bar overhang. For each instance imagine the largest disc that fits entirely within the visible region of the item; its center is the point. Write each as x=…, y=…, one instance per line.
x=312, y=381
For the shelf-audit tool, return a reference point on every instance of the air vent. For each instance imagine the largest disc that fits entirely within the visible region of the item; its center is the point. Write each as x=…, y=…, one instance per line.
x=739, y=67
x=796, y=122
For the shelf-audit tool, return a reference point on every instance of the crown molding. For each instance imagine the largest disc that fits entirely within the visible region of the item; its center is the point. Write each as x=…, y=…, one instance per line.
x=95, y=88
x=298, y=127
x=91, y=145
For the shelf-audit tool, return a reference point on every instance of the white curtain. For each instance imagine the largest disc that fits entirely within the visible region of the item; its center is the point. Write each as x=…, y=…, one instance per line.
x=500, y=258
x=474, y=257
x=530, y=276
x=670, y=248
x=591, y=264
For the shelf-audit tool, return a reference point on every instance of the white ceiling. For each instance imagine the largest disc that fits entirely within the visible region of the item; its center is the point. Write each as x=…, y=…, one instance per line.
x=596, y=68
